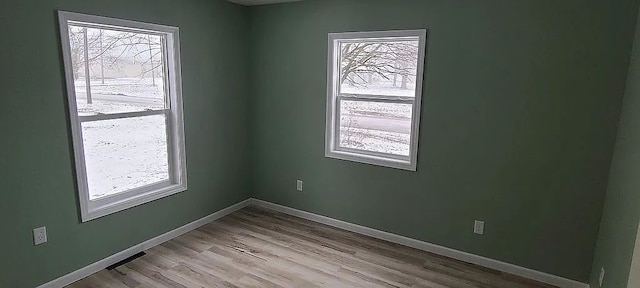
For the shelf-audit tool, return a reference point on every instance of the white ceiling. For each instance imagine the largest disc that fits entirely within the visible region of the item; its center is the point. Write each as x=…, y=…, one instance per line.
x=260, y=2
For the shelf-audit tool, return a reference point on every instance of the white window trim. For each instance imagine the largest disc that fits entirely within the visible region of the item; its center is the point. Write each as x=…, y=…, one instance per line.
x=175, y=128
x=332, y=150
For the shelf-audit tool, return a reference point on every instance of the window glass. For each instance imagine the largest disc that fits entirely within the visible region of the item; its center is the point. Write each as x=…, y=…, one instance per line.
x=123, y=154
x=375, y=126
x=126, y=70
x=386, y=68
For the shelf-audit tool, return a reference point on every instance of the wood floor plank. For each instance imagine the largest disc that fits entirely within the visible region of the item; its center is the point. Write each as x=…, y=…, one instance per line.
x=135, y=276
x=155, y=274
x=255, y=247
x=339, y=256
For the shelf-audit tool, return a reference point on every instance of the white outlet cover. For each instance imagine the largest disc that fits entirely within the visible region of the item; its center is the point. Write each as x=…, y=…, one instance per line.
x=601, y=279
x=39, y=235
x=478, y=227
x=299, y=185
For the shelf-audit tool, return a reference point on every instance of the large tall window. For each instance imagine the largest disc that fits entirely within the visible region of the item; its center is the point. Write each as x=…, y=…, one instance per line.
x=125, y=104
x=374, y=95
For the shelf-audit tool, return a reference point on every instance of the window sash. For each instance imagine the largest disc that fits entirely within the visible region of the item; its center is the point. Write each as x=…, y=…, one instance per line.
x=371, y=153
x=337, y=125
x=106, y=200
x=114, y=28
x=117, y=197
x=171, y=158
x=165, y=69
x=376, y=40
x=114, y=116
x=165, y=79
x=375, y=98
x=338, y=61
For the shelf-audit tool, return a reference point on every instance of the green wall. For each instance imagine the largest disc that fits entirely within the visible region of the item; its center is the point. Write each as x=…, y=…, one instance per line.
x=519, y=119
x=36, y=162
x=621, y=214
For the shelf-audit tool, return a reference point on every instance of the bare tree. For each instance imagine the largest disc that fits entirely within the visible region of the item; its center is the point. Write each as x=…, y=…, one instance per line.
x=91, y=47
x=87, y=79
x=101, y=59
x=383, y=59
x=153, y=75
x=107, y=49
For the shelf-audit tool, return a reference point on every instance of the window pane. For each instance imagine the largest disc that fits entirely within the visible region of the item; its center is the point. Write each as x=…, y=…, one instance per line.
x=125, y=70
x=123, y=154
x=375, y=126
x=379, y=68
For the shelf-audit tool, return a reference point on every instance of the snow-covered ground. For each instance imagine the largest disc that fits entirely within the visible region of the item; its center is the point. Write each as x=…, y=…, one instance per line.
x=110, y=107
x=384, y=128
x=383, y=88
x=127, y=153
x=375, y=140
x=383, y=110
x=132, y=87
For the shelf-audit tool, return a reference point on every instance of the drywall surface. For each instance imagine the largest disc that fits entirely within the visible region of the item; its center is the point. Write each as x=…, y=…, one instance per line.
x=38, y=184
x=519, y=115
x=617, y=236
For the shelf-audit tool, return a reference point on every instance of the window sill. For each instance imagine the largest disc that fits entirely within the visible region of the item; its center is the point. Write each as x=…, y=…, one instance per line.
x=94, y=211
x=372, y=160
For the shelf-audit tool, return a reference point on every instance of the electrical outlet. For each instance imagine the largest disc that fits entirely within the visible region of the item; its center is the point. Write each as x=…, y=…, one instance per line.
x=601, y=279
x=478, y=227
x=299, y=185
x=39, y=235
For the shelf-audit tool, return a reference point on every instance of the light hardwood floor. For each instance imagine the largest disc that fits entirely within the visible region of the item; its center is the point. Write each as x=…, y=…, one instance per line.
x=254, y=247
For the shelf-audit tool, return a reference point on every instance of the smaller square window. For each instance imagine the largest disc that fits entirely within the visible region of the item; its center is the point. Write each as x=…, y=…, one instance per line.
x=374, y=94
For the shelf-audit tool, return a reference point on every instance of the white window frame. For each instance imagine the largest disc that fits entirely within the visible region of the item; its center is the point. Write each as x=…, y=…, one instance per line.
x=332, y=147
x=92, y=209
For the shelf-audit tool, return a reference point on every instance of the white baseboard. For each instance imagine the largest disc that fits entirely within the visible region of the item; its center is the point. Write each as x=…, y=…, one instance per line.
x=432, y=248
x=115, y=258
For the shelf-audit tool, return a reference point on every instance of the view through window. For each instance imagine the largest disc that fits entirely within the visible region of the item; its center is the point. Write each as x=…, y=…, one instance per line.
x=116, y=72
